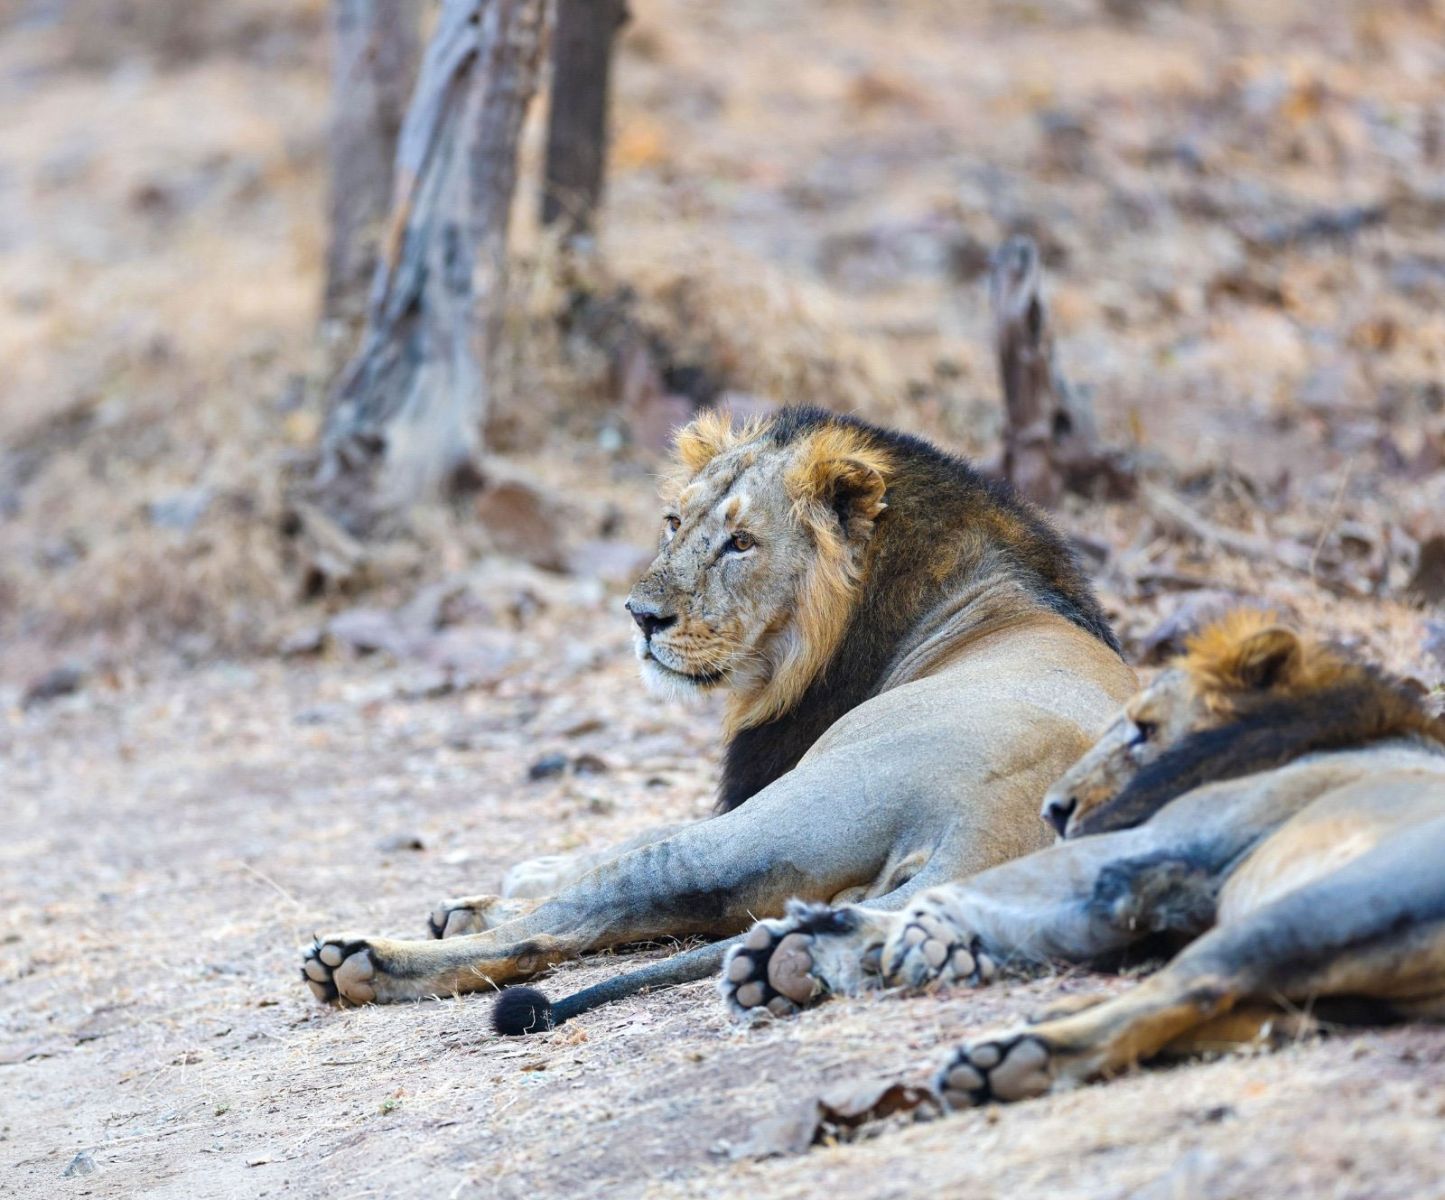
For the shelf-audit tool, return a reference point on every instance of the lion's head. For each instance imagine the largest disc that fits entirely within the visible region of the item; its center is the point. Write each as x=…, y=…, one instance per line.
x=1228, y=666
x=760, y=556
x=1247, y=694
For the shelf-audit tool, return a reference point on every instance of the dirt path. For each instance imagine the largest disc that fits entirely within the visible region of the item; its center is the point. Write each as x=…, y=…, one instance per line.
x=166, y=848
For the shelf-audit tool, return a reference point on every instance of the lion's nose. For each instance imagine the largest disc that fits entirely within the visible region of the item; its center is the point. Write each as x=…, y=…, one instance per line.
x=649, y=620
x=1057, y=812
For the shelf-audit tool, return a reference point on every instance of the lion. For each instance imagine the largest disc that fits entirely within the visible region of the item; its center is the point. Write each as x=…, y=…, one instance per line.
x=1269, y=801
x=911, y=655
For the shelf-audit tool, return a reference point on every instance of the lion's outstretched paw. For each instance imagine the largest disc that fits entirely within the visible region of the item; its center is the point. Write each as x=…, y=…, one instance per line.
x=929, y=946
x=462, y=915
x=1008, y=1067
x=786, y=964
x=772, y=969
x=341, y=969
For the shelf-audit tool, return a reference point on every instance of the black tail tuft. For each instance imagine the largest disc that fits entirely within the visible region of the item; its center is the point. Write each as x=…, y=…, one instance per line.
x=521, y=1010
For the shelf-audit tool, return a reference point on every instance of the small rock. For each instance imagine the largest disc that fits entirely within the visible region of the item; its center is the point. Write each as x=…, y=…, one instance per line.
x=368, y=630
x=1428, y=583
x=81, y=1164
x=425, y=684
x=400, y=841
x=615, y=562
x=589, y=764
x=471, y=656
x=523, y=519
x=319, y=714
x=1434, y=644
x=430, y=608
x=967, y=257
x=547, y=767
x=61, y=681
x=180, y=511
x=302, y=642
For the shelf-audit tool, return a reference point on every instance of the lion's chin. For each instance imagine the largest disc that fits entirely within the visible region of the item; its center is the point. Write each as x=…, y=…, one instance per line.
x=667, y=684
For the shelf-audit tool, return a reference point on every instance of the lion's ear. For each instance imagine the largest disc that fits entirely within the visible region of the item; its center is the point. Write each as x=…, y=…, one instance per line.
x=703, y=439
x=1266, y=658
x=851, y=488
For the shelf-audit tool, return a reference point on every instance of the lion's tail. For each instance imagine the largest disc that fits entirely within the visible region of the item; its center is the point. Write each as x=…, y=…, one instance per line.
x=522, y=1010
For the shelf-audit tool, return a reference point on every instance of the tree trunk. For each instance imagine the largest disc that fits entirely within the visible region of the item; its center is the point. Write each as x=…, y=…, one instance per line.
x=1051, y=442
x=577, y=123
x=376, y=45
x=407, y=412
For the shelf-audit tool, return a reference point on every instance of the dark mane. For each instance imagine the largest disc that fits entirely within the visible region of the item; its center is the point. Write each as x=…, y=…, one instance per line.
x=945, y=523
x=1364, y=705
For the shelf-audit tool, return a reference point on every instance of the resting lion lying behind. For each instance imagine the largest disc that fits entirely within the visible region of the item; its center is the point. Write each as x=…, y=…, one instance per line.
x=1273, y=803
x=912, y=658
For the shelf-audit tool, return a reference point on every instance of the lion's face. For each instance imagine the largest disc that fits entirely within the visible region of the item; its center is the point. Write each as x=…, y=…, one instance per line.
x=1237, y=662
x=1158, y=717
x=758, y=561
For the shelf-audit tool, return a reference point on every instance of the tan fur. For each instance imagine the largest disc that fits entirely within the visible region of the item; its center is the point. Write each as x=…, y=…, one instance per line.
x=825, y=599
x=713, y=433
x=933, y=775
x=1317, y=879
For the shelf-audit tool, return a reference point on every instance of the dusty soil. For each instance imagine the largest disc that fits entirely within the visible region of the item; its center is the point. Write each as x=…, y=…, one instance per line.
x=167, y=848
x=1241, y=211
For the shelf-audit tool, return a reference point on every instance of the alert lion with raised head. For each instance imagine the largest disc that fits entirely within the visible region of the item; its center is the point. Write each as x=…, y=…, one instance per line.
x=911, y=657
x=1268, y=800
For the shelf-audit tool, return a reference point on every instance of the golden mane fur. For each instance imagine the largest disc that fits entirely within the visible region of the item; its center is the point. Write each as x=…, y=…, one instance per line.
x=1249, y=653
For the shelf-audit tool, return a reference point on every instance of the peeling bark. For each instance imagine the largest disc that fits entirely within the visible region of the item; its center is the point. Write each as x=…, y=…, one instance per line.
x=406, y=414
x=376, y=47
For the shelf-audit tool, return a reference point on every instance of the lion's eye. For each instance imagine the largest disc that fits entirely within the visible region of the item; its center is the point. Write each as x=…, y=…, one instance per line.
x=741, y=541
x=1143, y=732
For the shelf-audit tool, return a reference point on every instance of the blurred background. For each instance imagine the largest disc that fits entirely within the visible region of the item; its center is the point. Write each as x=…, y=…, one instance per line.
x=321, y=485
x=1240, y=210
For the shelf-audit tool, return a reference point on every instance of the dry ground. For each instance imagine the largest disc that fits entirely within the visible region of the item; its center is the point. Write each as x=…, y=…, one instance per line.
x=1241, y=207
x=167, y=848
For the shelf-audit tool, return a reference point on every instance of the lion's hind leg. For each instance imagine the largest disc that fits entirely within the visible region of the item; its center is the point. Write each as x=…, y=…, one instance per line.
x=1373, y=930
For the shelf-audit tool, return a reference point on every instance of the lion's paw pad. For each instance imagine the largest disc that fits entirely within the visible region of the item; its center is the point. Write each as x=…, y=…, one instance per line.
x=340, y=968
x=1006, y=1068
x=928, y=948
x=771, y=969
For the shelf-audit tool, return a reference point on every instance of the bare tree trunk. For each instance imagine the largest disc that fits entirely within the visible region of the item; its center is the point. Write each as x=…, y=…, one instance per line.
x=577, y=123
x=1051, y=441
x=376, y=46
x=406, y=413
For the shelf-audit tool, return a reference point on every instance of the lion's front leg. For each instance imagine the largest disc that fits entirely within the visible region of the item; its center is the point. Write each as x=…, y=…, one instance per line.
x=366, y=970
x=814, y=951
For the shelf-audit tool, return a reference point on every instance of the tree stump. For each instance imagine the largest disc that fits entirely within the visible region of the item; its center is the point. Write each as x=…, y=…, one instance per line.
x=406, y=414
x=577, y=123
x=1051, y=441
